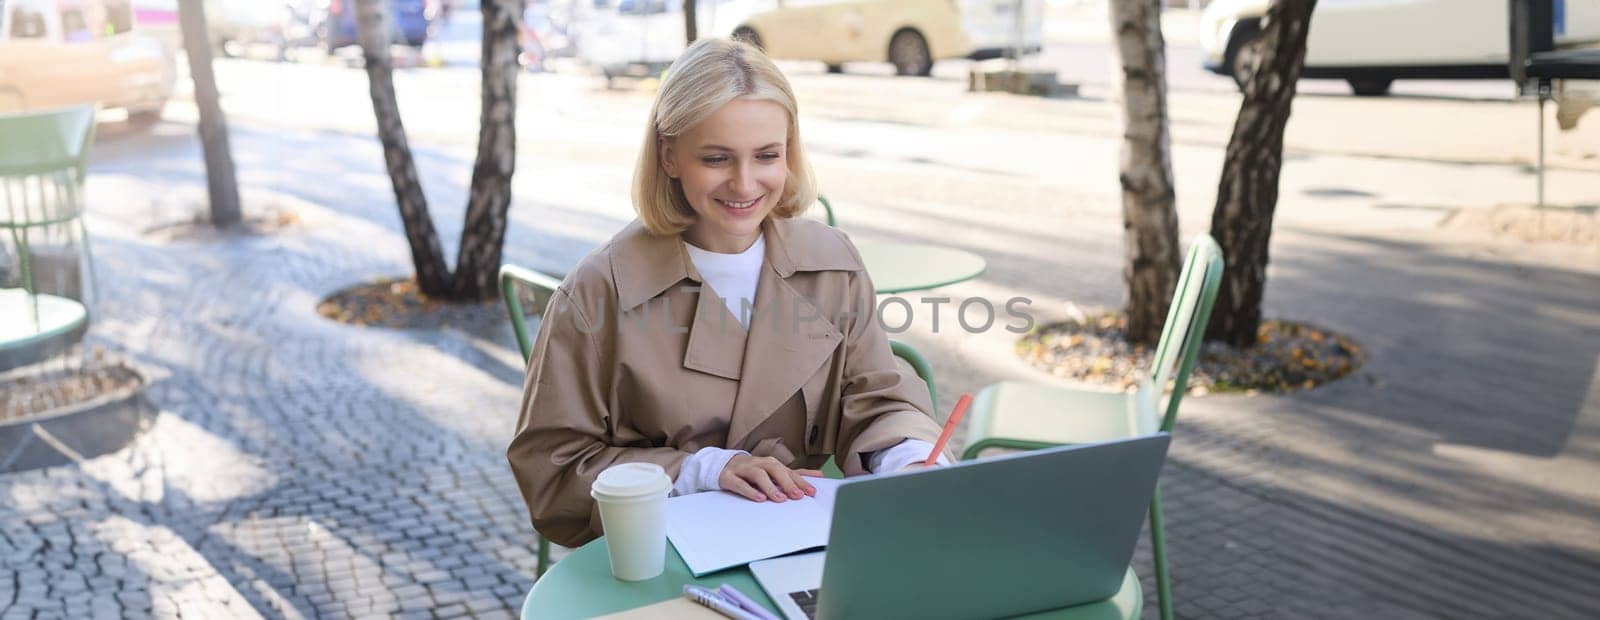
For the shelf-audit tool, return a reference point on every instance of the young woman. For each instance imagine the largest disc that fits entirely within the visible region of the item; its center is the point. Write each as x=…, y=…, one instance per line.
x=718, y=335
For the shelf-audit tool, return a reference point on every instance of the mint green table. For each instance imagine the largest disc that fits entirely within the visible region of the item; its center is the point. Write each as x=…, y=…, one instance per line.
x=33, y=327
x=901, y=267
x=581, y=586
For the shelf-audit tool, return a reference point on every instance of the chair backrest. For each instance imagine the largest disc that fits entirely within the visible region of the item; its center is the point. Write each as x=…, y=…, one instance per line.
x=41, y=143
x=918, y=365
x=510, y=276
x=827, y=209
x=1185, y=329
x=44, y=157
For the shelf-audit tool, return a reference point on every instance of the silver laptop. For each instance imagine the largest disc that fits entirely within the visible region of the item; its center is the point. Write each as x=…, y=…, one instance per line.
x=998, y=537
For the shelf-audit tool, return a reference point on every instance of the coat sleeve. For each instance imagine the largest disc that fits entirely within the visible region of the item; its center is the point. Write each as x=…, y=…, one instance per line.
x=882, y=404
x=564, y=435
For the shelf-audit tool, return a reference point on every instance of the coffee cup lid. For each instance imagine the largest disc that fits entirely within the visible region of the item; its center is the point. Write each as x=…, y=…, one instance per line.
x=631, y=480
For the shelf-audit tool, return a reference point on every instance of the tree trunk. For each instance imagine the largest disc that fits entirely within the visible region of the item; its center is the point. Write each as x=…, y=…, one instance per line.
x=1248, y=192
x=1149, y=221
x=221, y=184
x=372, y=29
x=690, y=26
x=483, y=235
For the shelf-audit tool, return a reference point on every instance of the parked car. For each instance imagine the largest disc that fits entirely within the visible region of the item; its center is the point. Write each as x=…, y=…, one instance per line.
x=64, y=52
x=1372, y=43
x=410, y=18
x=911, y=34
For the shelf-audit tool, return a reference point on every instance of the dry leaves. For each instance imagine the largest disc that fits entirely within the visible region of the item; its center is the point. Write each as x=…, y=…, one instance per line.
x=399, y=303
x=63, y=386
x=1287, y=357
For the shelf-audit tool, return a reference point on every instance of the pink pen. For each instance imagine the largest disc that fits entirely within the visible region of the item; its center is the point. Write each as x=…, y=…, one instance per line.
x=744, y=601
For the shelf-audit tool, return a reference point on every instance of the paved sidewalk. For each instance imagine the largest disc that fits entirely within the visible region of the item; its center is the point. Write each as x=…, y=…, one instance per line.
x=304, y=469
x=297, y=468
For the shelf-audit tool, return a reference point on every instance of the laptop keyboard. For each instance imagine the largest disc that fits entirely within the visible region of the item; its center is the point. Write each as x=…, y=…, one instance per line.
x=807, y=600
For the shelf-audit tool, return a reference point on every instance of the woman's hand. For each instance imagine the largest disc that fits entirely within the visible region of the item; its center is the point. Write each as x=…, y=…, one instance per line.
x=762, y=478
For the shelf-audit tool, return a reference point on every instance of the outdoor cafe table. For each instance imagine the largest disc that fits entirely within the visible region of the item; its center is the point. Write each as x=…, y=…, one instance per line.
x=581, y=586
x=901, y=267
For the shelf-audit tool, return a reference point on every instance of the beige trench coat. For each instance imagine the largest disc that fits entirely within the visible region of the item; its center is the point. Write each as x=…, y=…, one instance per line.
x=633, y=364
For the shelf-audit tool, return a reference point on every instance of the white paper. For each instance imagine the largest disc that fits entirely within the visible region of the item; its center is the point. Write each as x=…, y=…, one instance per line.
x=718, y=530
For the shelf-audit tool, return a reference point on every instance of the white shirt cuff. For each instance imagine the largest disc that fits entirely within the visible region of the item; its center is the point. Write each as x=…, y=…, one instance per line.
x=902, y=454
x=701, y=470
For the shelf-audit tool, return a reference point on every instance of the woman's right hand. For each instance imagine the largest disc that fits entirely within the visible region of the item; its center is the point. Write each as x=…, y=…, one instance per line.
x=763, y=478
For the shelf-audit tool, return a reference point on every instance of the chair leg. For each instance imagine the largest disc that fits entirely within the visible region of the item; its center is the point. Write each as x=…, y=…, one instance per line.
x=544, y=557
x=1158, y=551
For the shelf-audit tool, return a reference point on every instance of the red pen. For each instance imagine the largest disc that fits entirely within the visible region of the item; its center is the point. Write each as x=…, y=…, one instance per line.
x=949, y=429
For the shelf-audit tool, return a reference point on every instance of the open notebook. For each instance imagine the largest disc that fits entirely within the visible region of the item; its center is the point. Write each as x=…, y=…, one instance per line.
x=718, y=530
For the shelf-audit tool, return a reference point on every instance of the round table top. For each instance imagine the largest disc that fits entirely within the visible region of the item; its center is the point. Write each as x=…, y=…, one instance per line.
x=28, y=319
x=581, y=586
x=901, y=267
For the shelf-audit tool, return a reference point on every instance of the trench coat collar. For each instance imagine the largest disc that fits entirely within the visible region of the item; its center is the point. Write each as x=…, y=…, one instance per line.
x=644, y=264
x=789, y=336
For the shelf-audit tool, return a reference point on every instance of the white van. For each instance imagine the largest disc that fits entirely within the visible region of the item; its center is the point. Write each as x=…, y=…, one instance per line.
x=911, y=34
x=1372, y=43
x=631, y=37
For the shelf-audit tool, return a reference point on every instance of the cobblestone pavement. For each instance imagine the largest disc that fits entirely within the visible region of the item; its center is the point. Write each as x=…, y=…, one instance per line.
x=299, y=468
x=296, y=468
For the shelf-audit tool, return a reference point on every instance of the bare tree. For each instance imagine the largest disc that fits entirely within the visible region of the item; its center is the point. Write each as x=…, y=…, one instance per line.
x=222, y=187
x=1248, y=192
x=690, y=28
x=483, y=235
x=1149, y=221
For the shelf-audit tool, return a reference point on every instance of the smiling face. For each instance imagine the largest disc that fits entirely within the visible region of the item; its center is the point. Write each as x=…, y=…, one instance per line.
x=732, y=168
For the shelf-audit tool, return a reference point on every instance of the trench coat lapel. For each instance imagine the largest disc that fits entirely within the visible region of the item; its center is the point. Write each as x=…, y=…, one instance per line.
x=783, y=347
x=649, y=266
x=716, y=340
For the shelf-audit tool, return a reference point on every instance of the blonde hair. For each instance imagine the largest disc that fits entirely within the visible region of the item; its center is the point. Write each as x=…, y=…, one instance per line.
x=711, y=73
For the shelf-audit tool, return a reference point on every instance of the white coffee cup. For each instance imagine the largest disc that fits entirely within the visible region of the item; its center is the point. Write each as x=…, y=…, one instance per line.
x=633, y=511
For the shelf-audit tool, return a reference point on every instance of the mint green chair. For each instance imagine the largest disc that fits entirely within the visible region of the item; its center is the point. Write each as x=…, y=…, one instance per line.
x=827, y=209
x=544, y=286
x=1025, y=416
x=45, y=265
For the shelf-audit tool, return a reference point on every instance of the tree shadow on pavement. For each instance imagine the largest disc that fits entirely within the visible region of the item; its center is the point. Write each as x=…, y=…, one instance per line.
x=1481, y=351
x=1242, y=543
x=387, y=458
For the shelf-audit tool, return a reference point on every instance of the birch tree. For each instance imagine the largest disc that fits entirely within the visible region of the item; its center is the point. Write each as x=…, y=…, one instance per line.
x=1149, y=221
x=483, y=235
x=690, y=29
x=1247, y=195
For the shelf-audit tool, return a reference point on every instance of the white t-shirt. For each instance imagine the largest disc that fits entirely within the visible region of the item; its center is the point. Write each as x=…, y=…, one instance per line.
x=734, y=278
